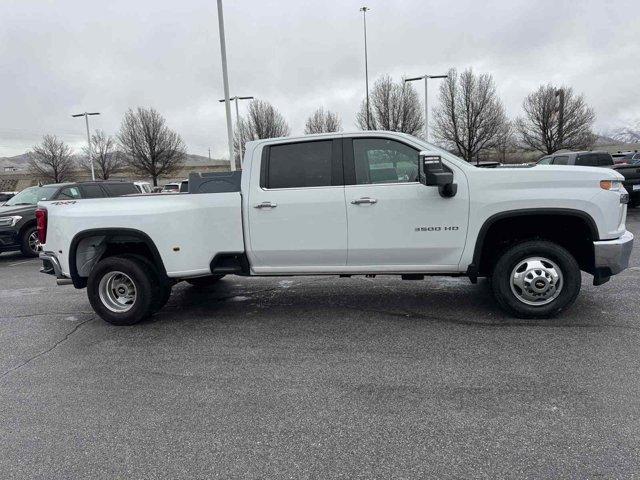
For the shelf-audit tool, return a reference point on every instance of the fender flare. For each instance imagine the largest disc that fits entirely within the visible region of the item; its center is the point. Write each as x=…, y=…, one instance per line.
x=25, y=226
x=81, y=282
x=472, y=270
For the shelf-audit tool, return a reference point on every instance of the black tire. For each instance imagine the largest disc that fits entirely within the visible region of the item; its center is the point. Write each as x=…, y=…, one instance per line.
x=204, y=281
x=137, y=274
x=164, y=293
x=568, y=287
x=161, y=286
x=25, y=243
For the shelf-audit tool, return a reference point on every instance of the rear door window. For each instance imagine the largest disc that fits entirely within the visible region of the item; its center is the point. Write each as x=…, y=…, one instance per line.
x=594, y=160
x=69, y=193
x=92, y=191
x=119, y=189
x=302, y=164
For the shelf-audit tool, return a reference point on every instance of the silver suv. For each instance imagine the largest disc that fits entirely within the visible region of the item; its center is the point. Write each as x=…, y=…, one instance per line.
x=584, y=159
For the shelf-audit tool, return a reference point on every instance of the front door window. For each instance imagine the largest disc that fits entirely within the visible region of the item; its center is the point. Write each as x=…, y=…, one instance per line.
x=379, y=160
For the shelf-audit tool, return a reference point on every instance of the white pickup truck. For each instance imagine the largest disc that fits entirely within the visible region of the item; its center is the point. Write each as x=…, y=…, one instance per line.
x=365, y=203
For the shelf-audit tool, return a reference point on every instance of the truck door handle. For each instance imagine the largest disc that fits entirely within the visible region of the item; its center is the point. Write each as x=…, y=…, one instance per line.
x=368, y=200
x=266, y=205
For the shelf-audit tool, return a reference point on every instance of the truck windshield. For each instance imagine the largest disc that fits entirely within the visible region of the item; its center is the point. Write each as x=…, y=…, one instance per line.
x=32, y=195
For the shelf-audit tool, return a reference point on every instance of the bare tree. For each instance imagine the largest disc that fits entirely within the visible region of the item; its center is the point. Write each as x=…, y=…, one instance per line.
x=52, y=160
x=262, y=121
x=107, y=161
x=470, y=117
x=543, y=128
x=322, y=122
x=505, y=141
x=628, y=134
x=150, y=146
x=393, y=106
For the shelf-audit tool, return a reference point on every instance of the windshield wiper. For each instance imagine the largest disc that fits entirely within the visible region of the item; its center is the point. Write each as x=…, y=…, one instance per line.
x=16, y=204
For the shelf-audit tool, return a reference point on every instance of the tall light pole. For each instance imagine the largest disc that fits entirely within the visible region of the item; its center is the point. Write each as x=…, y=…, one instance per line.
x=366, y=61
x=426, y=93
x=236, y=98
x=86, y=121
x=225, y=81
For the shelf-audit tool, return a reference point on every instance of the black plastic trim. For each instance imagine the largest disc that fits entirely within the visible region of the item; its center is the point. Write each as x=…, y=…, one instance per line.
x=236, y=263
x=337, y=174
x=348, y=162
x=81, y=282
x=264, y=162
x=472, y=270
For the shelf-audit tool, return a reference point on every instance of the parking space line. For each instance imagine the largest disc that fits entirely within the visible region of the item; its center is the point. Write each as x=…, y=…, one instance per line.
x=24, y=261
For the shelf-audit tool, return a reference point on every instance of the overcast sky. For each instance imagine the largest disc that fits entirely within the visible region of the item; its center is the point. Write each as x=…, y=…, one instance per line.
x=67, y=56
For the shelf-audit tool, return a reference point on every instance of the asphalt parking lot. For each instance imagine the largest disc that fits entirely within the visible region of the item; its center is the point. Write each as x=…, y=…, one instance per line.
x=319, y=377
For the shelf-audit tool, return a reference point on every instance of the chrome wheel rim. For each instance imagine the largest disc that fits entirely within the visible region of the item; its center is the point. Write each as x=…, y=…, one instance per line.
x=536, y=281
x=117, y=292
x=34, y=242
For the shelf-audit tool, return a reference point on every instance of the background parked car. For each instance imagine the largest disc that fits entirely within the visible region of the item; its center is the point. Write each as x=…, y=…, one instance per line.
x=4, y=196
x=585, y=159
x=171, y=188
x=18, y=214
x=176, y=187
x=626, y=157
x=630, y=172
x=143, y=187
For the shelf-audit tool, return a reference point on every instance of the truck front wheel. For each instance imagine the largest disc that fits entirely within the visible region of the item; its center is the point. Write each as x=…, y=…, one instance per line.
x=120, y=290
x=536, y=279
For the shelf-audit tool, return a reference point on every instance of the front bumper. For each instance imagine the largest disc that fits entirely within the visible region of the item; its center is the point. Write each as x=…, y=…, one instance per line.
x=612, y=256
x=9, y=239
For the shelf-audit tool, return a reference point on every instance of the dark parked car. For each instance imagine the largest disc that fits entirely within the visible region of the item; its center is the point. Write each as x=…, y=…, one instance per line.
x=18, y=214
x=631, y=172
x=4, y=196
x=626, y=157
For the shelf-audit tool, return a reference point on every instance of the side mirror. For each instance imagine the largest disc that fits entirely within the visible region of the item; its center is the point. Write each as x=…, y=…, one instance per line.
x=434, y=174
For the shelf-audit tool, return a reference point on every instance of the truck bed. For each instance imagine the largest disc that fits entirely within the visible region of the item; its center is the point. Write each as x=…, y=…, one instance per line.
x=188, y=230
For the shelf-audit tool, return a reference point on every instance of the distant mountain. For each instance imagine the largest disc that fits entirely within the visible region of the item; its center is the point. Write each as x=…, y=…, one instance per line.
x=193, y=159
x=606, y=140
x=18, y=161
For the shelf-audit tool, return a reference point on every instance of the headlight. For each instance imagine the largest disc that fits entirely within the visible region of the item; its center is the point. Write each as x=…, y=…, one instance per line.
x=615, y=185
x=9, y=221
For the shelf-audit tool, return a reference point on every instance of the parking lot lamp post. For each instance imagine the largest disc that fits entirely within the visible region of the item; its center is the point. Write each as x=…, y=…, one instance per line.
x=86, y=120
x=366, y=62
x=225, y=81
x=426, y=93
x=235, y=99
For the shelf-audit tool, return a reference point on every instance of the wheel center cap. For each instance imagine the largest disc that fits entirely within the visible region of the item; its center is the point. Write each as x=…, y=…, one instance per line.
x=540, y=284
